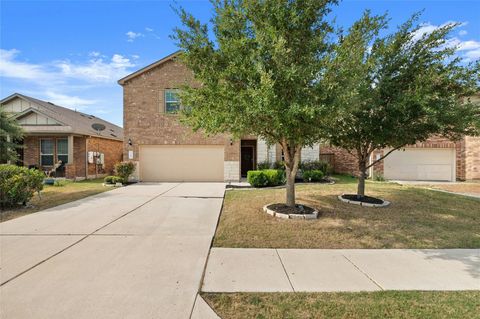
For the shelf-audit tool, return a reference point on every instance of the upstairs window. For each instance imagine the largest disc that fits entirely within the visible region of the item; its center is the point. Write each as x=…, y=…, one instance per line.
x=46, y=152
x=62, y=150
x=172, y=101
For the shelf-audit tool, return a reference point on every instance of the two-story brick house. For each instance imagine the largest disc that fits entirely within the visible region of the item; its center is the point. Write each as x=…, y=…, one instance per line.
x=165, y=150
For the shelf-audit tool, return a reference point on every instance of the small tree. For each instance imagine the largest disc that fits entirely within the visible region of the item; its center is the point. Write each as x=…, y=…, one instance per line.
x=124, y=170
x=260, y=74
x=10, y=135
x=393, y=91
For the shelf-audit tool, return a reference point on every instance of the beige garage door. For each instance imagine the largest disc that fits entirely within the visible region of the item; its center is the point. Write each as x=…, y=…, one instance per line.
x=421, y=165
x=181, y=163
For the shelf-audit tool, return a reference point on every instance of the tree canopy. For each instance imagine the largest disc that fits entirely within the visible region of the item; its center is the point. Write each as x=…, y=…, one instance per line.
x=260, y=73
x=10, y=134
x=394, y=90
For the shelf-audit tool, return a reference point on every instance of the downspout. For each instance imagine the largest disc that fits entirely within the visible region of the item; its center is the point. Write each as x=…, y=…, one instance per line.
x=86, y=157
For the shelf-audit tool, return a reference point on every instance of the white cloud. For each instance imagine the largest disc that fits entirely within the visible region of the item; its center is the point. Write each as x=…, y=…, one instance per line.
x=72, y=102
x=133, y=35
x=472, y=55
x=11, y=67
x=97, y=69
x=148, y=29
x=467, y=49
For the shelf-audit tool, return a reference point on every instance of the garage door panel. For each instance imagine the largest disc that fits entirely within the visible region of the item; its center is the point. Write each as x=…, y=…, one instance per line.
x=179, y=163
x=420, y=164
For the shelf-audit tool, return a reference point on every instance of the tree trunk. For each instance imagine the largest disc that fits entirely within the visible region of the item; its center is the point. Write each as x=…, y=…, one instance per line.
x=292, y=159
x=361, y=179
x=290, y=200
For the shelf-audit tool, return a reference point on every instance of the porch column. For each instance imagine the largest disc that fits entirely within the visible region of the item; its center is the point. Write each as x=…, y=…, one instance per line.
x=70, y=149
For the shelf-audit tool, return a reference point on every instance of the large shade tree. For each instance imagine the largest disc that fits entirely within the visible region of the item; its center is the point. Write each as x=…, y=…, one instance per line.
x=394, y=90
x=259, y=73
x=10, y=135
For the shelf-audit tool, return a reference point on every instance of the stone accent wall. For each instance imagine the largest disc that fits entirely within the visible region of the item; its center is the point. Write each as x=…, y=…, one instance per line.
x=231, y=171
x=310, y=153
x=145, y=120
x=265, y=152
x=112, y=150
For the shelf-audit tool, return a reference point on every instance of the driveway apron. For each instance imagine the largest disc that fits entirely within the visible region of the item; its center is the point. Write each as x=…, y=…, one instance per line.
x=134, y=252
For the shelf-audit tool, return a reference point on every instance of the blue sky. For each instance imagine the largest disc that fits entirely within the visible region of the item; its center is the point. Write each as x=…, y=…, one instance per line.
x=73, y=52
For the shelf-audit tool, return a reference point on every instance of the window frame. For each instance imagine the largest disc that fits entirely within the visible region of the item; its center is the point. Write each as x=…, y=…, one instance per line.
x=47, y=154
x=62, y=154
x=165, y=101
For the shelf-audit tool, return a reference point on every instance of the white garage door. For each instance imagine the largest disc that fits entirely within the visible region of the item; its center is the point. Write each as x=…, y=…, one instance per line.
x=421, y=165
x=181, y=163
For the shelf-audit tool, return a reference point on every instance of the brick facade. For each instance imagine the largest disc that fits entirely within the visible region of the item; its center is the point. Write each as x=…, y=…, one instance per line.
x=467, y=151
x=81, y=145
x=146, y=123
x=112, y=150
x=145, y=120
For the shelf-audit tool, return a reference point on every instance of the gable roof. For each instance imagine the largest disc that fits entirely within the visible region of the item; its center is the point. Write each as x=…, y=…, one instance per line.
x=80, y=123
x=149, y=67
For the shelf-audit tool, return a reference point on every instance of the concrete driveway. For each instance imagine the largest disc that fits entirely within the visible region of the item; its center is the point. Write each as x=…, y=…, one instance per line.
x=134, y=252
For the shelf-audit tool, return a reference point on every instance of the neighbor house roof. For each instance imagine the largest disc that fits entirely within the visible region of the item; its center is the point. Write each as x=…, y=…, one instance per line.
x=149, y=67
x=71, y=121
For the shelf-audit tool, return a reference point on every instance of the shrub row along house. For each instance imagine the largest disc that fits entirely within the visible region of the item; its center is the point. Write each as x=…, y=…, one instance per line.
x=165, y=150
x=54, y=133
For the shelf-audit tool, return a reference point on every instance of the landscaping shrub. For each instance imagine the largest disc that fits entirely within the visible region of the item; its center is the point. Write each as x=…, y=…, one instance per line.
x=257, y=178
x=108, y=179
x=279, y=165
x=378, y=177
x=113, y=179
x=264, y=165
x=18, y=184
x=275, y=177
x=314, y=175
x=60, y=182
x=124, y=170
x=316, y=165
x=266, y=177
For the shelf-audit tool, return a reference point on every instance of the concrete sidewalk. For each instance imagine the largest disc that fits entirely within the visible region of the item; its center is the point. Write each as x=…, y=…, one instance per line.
x=323, y=270
x=133, y=252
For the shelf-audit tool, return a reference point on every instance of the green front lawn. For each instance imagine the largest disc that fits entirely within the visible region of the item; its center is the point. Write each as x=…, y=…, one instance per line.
x=417, y=218
x=384, y=304
x=56, y=195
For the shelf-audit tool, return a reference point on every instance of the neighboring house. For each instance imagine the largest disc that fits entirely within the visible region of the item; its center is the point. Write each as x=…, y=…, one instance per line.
x=437, y=159
x=54, y=133
x=165, y=150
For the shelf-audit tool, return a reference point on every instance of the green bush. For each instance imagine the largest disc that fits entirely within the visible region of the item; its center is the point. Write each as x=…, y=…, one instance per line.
x=108, y=179
x=60, y=182
x=113, y=179
x=275, y=177
x=18, y=184
x=266, y=177
x=264, y=165
x=279, y=165
x=314, y=175
x=257, y=178
x=316, y=165
x=124, y=170
x=378, y=177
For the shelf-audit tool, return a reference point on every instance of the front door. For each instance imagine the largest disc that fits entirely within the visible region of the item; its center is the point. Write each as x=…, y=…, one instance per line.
x=247, y=160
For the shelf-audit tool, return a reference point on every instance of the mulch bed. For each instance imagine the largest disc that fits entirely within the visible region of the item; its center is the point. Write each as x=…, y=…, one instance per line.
x=364, y=199
x=284, y=209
